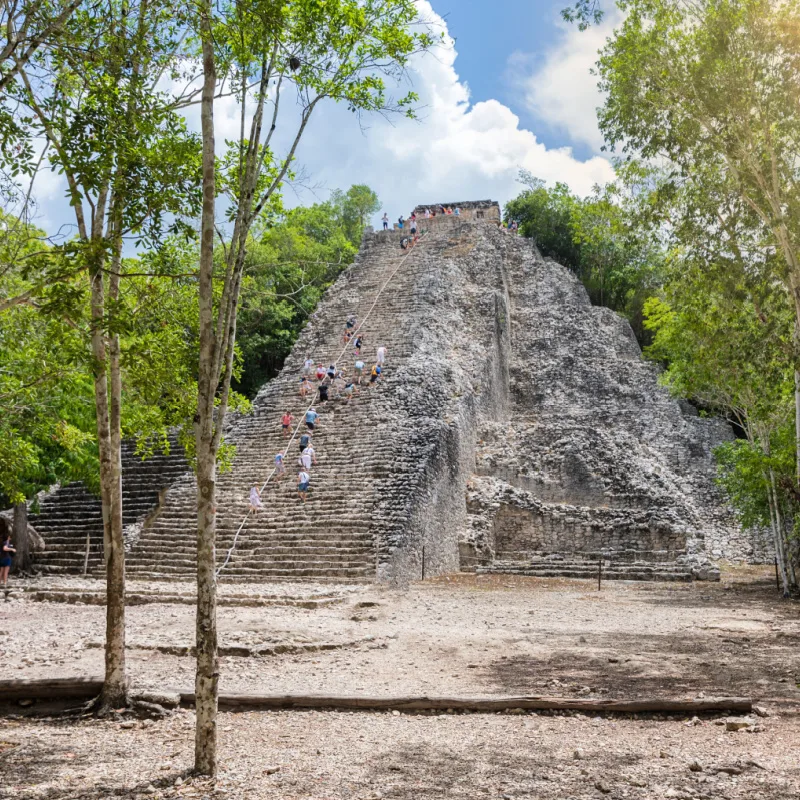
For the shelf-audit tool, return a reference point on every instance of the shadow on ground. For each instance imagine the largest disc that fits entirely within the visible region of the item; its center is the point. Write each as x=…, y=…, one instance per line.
x=423, y=771
x=713, y=662
x=36, y=768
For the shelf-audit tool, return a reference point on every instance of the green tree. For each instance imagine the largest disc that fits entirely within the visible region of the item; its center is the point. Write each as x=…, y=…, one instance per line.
x=129, y=163
x=45, y=427
x=337, y=50
x=545, y=215
x=710, y=89
x=355, y=207
x=48, y=431
x=727, y=345
x=28, y=25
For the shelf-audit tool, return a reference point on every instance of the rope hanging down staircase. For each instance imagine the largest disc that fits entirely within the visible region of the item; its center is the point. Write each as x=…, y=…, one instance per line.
x=299, y=425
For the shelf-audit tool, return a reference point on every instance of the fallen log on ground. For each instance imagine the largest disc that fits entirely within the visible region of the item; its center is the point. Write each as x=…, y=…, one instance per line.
x=87, y=688
x=50, y=689
x=254, y=702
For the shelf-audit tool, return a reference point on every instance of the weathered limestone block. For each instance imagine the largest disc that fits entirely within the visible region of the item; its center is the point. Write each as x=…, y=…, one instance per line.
x=595, y=459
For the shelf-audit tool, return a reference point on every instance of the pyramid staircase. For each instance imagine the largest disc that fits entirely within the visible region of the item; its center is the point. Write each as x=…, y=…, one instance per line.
x=332, y=536
x=70, y=518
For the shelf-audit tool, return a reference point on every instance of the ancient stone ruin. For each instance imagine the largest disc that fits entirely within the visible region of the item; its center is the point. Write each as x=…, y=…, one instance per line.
x=516, y=429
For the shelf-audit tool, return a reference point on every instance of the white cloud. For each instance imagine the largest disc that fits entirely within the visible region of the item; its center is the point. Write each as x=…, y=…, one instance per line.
x=561, y=91
x=453, y=152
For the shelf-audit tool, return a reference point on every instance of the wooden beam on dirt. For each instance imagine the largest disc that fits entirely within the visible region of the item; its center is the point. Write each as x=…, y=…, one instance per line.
x=87, y=688
x=50, y=689
x=254, y=702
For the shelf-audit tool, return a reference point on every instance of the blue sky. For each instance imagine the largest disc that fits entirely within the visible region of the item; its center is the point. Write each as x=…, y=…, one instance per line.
x=510, y=89
x=486, y=42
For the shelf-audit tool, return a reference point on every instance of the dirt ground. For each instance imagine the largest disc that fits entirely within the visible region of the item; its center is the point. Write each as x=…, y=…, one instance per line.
x=451, y=636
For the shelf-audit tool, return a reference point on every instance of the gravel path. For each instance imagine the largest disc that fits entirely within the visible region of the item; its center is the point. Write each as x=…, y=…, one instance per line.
x=325, y=756
x=462, y=635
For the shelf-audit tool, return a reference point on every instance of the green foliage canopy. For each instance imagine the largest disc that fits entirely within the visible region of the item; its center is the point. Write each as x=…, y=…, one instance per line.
x=290, y=263
x=596, y=237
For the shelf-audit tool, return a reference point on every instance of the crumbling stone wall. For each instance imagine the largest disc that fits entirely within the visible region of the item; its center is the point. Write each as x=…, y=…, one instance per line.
x=578, y=451
x=450, y=381
x=594, y=459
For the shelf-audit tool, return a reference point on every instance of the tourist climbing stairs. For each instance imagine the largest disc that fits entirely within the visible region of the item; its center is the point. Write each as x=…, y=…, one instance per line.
x=331, y=535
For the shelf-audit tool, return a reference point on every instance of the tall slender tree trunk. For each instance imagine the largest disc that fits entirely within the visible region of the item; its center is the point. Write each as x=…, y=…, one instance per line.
x=207, y=675
x=115, y=685
x=780, y=553
x=20, y=538
x=116, y=692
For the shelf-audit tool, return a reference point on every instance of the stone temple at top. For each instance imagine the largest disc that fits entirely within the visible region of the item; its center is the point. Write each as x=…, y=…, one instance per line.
x=516, y=428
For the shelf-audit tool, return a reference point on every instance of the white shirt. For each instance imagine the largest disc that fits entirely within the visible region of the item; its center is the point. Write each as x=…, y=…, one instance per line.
x=309, y=451
x=309, y=364
x=381, y=353
x=304, y=476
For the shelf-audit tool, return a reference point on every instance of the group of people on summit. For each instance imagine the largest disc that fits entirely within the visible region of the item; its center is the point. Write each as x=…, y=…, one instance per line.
x=427, y=214
x=331, y=383
x=411, y=223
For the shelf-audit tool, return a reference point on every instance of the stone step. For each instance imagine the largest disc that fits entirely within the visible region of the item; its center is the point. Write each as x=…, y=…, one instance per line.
x=363, y=482
x=631, y=571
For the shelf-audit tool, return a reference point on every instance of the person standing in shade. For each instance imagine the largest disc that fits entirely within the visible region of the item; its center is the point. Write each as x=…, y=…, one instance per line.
x=311, y=418
x=6, y=557
x=303, y=479
x=385, y=221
